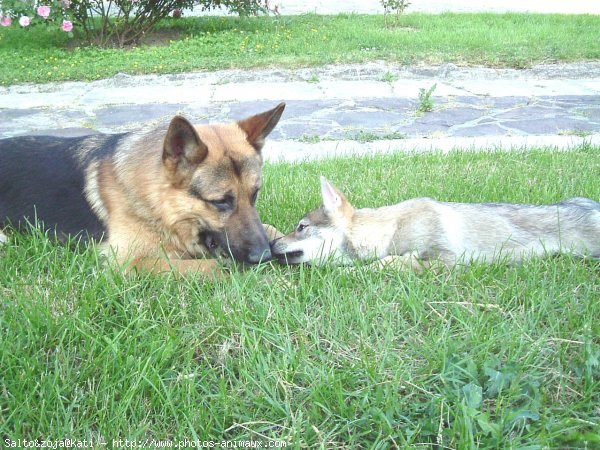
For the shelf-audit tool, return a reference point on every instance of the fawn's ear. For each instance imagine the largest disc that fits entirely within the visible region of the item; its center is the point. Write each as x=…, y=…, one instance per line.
x=258, y=127
x=182, y=146
x=332, y=198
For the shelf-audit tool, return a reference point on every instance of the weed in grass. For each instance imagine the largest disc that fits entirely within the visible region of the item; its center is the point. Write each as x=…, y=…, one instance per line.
x=575, y=132
x=222, y=81
x=392, y=136
x=311, y=139
x=314, y=78
x=368, y=136
x=425, y=100
x=389, y=77
x=361, y=136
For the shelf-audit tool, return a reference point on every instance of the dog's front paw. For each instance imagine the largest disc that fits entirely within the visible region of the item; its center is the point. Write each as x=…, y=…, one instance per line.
x=272, y=232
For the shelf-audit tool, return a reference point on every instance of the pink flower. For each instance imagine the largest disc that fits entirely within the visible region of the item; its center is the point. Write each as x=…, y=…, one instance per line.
x=5, y=21
x=67, y=25
x=44, y=11
x=24, y=21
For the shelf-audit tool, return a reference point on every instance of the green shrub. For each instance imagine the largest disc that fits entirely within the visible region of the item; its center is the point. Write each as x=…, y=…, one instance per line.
x=394, y=6
x=114, y=22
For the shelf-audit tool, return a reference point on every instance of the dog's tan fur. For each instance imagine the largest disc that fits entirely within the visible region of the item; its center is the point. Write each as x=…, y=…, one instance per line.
x=152, y=219
x=419, y=232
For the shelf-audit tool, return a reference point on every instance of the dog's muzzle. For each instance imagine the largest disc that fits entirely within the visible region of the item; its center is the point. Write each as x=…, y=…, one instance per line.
x=259, y=255
x=218, y=246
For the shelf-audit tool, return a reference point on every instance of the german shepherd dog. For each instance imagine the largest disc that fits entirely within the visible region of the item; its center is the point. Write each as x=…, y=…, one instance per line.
x=161, y=199
x=418, y=232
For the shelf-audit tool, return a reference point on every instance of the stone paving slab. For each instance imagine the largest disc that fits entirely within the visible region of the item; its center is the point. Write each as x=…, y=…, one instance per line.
x=368, y=102
x=335, y=119
x=265, y=90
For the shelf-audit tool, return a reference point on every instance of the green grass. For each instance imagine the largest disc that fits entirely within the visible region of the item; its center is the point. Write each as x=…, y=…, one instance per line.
x=490, y=357
x=499, y=40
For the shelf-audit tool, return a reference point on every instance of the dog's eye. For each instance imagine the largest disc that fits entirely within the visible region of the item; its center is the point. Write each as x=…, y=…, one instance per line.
x=301, y=226
x=255, y=196
x=223, y=204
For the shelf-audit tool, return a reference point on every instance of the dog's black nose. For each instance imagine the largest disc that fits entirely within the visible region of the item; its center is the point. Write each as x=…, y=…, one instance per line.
x=259, y=255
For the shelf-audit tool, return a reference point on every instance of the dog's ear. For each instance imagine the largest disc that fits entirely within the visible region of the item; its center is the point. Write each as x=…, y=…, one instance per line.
x=332, y=198
x=258, y=127
x=182, y=144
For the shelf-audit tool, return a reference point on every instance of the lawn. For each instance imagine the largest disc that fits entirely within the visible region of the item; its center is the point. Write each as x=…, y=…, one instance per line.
x=211, y=43
x=490, y=357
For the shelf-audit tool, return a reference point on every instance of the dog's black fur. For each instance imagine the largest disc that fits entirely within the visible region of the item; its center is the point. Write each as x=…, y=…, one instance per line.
x=42, y=181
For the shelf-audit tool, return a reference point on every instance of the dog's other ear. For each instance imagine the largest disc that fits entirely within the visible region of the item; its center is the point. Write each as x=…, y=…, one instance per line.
x=332, y=200
x=182, y=144
x=258, y=127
